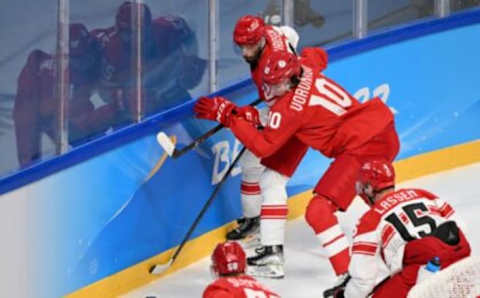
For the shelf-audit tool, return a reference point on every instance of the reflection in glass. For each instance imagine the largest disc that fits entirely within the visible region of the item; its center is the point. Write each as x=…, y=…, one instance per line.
x=167, y=68
x=383, y=14
x=457, y=5
x=36, y=104
x=26, y=26
x=323, y=22
x=303, y=14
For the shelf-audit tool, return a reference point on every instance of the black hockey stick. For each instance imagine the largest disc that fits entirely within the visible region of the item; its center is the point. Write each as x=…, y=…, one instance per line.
x=160, y=268
x=169, y=146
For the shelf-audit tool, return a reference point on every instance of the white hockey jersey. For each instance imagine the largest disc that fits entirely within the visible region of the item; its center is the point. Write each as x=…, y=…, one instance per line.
x=383, y=231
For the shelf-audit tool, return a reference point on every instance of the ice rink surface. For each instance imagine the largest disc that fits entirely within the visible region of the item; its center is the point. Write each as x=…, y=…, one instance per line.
x=307, y=271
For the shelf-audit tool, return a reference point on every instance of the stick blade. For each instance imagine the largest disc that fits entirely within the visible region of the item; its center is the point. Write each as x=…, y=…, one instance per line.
x=166, y=143
x=160, y=268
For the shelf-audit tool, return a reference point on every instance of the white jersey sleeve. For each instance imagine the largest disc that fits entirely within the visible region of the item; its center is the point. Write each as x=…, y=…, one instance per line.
x=291, y=34
x=365, y=258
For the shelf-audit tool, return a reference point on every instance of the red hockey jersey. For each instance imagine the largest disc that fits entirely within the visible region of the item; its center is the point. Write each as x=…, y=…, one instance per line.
x=275, y=40
x=237, y=287
x=320, y=113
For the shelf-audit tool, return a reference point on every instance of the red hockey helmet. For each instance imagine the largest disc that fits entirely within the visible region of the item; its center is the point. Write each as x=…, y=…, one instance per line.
x=374, y=176
x=280, y=65
x=248, y=30
x=125, y=17
x=227, y=258
x=80, y=40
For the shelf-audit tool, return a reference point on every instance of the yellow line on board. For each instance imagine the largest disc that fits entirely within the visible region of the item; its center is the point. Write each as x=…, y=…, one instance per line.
x=200, y=247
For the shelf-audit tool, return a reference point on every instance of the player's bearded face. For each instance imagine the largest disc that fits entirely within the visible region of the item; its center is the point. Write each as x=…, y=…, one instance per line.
x=275, y=90
x=251, y=53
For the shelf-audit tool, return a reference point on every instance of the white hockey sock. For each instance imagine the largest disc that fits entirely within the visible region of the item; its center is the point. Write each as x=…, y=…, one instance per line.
x=251, y=199
x=272, y=224
x=274, y=209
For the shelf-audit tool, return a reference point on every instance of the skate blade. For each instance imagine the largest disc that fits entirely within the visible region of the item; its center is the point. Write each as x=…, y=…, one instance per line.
x=266, y=271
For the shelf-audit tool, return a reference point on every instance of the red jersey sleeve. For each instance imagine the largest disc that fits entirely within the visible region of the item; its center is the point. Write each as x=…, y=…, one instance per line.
x=283, y=122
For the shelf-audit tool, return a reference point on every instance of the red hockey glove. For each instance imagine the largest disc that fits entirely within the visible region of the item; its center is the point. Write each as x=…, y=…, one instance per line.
x=217, y=109
x=250, y=114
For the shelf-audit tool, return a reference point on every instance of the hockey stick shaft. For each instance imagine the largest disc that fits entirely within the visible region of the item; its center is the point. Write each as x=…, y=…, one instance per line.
x=208, y=203
x=177, y=153
x=196, y=142
x=156, y=269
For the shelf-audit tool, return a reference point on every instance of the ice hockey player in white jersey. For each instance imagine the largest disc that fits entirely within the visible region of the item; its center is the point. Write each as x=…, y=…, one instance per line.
x=405, y=229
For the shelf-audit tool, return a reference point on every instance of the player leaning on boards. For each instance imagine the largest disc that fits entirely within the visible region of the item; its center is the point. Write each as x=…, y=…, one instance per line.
x=228, y=264
x=321, y=114
x=257, y=41
x=404, y=229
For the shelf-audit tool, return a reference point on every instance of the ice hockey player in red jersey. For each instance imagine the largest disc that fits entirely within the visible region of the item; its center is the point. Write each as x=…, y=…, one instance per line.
x=324, y=116
x=228, y=264
x=36, y=106
x=404, y=229
x=167, y=43
x=257, y=41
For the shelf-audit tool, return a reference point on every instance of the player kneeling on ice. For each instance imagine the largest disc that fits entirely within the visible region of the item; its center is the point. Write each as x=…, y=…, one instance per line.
x=405, y=229
x=228, y=264
x=314, y=109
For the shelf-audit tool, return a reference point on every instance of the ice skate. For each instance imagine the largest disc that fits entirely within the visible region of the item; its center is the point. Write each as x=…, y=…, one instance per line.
x=246, y=227
x=268, y=262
